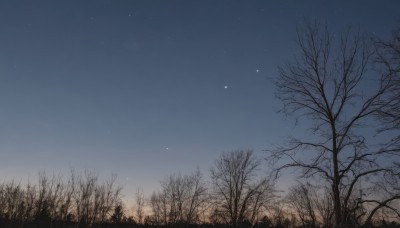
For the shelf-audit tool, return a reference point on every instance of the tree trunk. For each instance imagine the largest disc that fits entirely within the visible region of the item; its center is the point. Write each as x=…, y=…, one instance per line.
x=336, y=193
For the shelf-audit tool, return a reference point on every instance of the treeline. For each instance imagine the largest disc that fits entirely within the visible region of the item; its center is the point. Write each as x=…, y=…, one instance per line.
x=238, y=194
x=80, y=201
x=237, y=197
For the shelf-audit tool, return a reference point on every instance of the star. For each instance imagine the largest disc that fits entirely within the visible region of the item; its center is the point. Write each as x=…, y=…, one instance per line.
x=225, y=86
x=257, y=70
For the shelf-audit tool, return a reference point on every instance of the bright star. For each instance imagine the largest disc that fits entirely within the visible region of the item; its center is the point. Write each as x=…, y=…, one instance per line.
x=257, y=70
x=225, y=86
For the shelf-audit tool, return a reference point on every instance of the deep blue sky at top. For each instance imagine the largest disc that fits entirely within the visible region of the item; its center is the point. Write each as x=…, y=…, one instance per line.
x=138, y=87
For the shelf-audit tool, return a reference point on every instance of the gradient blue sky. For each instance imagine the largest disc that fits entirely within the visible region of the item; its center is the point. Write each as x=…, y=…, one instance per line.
x=110, y=85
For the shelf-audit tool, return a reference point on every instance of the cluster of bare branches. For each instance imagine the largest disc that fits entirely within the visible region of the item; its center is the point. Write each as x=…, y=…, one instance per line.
x=81, y=200
x=330, y=84
x=238, y=194
x=181, y=200
x=140, y=203
x=300, y=197
x=94, y=202
x=311, y=206
x=388, y=58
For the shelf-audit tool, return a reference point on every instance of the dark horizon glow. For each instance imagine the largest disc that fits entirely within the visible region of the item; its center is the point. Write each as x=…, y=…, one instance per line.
x=145, y=89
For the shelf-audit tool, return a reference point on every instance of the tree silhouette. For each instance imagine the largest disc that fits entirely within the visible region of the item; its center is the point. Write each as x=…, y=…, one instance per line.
x=180, y=201
x=238, y=194
x=43, y=217
x=118, y=215
x=300, y=197
x=325, y=84
x=139, y=197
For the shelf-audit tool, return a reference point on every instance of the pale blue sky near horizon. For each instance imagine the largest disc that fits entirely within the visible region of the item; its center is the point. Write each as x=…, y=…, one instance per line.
x=137, y=88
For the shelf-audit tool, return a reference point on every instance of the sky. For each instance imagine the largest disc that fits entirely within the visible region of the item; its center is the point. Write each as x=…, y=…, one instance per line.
x=144, y=89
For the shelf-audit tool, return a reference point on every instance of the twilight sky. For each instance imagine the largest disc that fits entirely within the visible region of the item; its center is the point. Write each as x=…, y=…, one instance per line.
x=149, y=88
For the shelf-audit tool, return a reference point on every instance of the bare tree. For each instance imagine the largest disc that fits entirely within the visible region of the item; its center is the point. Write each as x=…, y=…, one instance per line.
x=157, y=208
x=53, y=202
x=197, y=197
x=29, y=202
x=42, y=204
x=280, y=215
x=326, y=85
x=139, y=197
x=83, y=194
x=12, y=207
x=300, y=197
x=50, y=198
x=239, y=195
x=181, y=199
x=94, y=201
x=324, y=208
